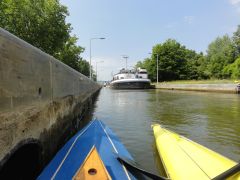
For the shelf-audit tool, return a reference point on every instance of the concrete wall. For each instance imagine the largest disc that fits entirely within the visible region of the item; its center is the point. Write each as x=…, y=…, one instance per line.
x=226, y=88
x=41, y=99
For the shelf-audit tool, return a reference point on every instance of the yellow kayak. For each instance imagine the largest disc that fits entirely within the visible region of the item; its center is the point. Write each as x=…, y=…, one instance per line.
x=185, y=159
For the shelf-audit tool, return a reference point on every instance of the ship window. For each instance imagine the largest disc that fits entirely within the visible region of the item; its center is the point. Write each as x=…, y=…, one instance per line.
x=122, y=78
x=140, y=76
x=142, y=72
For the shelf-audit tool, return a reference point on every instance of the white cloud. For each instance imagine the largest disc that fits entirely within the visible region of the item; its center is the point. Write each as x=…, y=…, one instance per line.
x=189, y=19
x=234, y=2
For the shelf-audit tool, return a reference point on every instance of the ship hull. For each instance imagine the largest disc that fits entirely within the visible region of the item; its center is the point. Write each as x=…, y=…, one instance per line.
x=130, y=85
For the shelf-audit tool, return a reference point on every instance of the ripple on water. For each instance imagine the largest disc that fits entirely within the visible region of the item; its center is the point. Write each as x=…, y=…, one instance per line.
x=210, y=119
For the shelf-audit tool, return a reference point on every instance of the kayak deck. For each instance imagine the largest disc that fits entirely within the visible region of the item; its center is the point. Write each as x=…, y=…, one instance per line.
x=92, y=167
x=185, y=159
x=68, y=161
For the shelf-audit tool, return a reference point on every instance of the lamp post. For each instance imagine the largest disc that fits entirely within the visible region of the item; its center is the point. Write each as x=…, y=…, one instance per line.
x=157, y=64
x=125, y=57
x=96, y=68
x=90, y=61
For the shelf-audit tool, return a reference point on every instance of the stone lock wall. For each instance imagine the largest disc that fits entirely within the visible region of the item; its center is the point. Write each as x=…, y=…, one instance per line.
x=41, y=99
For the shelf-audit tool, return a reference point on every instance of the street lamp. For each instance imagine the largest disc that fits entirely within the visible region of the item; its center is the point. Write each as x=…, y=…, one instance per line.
x=90, y=62
x=157, y=64
x=125, y=57
x=96, y=68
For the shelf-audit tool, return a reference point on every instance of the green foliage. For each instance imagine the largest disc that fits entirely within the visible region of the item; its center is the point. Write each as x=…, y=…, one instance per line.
x=139, y=64
x=236, y=41
x=171, y=60
x=70, y=53
x=220, y=54
x=150, y=65
x=39, y=22
x=84, y=67
x=202, y=63
x=42, y=24
x=175, y=62
x=192, y=67
x=233, y=70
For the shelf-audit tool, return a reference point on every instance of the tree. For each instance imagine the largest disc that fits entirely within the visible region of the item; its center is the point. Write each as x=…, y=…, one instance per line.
x=203, y=72
x=39, y=22
x=84, y=67
x=191, y=68
x=42, y=24
x=70, y=53
x=139, y=65
x=220, y=53
x=233, y=70
x=172, y=60
x=175, y=62
x=236, y=42
x=150, y=65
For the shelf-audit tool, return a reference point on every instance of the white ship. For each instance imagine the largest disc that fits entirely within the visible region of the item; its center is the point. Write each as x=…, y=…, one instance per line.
x=131, y=79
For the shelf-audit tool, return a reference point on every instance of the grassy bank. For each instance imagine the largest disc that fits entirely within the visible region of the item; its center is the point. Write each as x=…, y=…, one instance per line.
x=210, y=81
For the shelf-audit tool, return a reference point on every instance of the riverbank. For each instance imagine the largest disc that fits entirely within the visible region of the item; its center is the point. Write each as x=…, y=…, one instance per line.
x=224, y=86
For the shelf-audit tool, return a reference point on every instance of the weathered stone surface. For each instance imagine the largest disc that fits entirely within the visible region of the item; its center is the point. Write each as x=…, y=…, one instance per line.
x=227, y=88
x=41, y=98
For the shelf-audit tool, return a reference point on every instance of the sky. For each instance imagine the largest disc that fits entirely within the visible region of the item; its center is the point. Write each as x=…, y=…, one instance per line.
x=133, y=27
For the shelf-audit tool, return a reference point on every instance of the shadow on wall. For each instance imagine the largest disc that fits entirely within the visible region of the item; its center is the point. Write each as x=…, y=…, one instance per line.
x=24, y=163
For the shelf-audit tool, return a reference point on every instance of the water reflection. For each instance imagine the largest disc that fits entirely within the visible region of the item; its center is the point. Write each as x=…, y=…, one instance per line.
x=209, y=118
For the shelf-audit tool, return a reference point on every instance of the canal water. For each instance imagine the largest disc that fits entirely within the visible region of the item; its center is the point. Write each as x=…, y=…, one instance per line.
x=211, y=119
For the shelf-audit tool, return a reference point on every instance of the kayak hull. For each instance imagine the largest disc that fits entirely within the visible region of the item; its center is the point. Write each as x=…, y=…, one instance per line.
x=70, y=158
x=185, y=159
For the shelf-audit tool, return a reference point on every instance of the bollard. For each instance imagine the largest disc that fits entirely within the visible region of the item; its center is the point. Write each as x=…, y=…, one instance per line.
x=238, y=89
